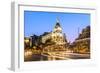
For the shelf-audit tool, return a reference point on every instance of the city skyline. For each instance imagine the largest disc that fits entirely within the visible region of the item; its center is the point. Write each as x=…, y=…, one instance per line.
x=36, y=22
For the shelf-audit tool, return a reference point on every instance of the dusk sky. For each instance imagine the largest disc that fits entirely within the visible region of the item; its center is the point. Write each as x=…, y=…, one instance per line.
x=40, y=22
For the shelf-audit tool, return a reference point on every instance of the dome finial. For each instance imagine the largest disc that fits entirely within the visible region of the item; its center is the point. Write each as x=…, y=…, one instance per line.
x=57, y=19
x=57, y=22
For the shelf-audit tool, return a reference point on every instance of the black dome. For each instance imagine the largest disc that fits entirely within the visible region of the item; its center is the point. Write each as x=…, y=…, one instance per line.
x=57, y=25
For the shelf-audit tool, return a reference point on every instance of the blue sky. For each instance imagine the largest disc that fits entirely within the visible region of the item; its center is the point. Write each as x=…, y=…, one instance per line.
x=40, y=22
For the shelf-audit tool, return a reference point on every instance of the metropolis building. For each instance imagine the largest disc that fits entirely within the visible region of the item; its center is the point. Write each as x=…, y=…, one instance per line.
x=57, y=36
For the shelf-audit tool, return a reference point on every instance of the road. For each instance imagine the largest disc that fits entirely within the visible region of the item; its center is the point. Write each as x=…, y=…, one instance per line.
x=61, y=55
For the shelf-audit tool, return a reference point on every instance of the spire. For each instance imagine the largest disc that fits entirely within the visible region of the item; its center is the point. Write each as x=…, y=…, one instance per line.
x=57, y=23
x=57, y=20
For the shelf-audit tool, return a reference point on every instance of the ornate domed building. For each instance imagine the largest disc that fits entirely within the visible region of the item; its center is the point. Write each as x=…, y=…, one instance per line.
x=56, y=36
